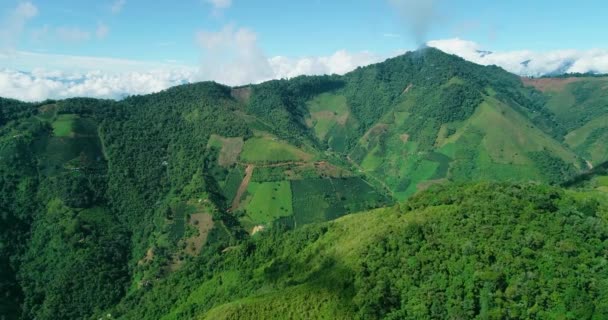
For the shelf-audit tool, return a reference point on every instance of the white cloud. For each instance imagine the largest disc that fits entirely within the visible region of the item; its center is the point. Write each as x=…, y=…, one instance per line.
x=527, y=62
x=102, y=31
x=40, y=84
x=14, y=23
x=117, y=6
x=74, y=76
x=220, y=4
x=232, y=56
x=340, y=62
x=72, y=34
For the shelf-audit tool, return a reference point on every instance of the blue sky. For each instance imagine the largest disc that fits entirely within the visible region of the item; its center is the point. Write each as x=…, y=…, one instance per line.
x=207, y=39
x=165, y=30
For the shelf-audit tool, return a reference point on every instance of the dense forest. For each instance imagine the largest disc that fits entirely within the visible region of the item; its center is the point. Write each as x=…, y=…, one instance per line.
x=490, y=251
x=206, y=201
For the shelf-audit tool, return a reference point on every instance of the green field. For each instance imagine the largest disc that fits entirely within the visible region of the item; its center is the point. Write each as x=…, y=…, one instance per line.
x=266, y=149
x=63, y=126
x=312, y=199
x=232, y=182
x=326, y=111
x=177, y=226
x=318, y=200
x=268, y=201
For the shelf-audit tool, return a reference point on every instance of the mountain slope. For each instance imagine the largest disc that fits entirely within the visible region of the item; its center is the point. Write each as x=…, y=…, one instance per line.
x=138, y=189
x=429, y=117
x=580, y=104
x=516, y=245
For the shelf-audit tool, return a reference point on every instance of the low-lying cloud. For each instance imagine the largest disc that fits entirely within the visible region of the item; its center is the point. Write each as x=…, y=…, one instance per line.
x=233, y=57
x=115, y=78
x=527, y=62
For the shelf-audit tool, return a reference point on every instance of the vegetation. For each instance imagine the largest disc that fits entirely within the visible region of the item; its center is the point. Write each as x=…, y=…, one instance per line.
x=145, y=208
x=475, y=251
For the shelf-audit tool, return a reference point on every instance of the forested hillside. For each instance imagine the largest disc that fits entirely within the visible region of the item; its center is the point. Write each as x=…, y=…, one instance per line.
x=179, y=203
x=491, y=251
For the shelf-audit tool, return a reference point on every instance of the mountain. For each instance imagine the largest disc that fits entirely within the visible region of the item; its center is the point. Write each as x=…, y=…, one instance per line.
x=105, y=202
x=580, y=105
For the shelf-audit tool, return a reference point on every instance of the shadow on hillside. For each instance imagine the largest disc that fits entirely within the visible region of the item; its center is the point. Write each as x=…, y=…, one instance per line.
x=599, y=170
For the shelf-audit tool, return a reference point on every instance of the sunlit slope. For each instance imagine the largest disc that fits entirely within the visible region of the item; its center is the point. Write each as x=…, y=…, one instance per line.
x=521, y=243
x=580, y=104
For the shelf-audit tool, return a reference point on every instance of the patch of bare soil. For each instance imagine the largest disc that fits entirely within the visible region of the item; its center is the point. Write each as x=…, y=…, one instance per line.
x=405, y=137
x=203, y=222
x=408, y=88
x=257, y=229
x=231, y=149
x=242, y=94
x=147, y=258
x=550, y=84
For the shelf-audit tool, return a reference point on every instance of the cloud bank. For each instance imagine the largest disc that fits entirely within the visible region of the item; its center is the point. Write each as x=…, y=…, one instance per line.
x=526, y=62
x=116, y=78
x=232, y=56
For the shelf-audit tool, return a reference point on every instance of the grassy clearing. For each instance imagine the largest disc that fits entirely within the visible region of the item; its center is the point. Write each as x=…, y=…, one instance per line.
x=268, y=201
x=328, y=110
x=602, y=181
x=55, y=152
x=311, y=200
x=266, y=149
x=589, y=140
x=318, y=200
x=230, y=149
x=232, y=183
x=203, y=222
x=63, y=125
x=177, y=227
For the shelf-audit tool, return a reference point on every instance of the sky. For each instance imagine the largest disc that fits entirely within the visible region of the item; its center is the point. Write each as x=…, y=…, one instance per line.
x=115, y=48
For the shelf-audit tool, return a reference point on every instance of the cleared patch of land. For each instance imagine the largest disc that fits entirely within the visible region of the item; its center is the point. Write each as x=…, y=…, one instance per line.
x=269, y=201
x=203, y=222
x=242, y=94
x=63, y=126
x=267, y=149
x=230, y=149
x=326, y=111
x=550, y=84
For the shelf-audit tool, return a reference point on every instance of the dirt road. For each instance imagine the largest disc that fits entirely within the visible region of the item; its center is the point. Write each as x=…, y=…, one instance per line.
x=242, y=187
